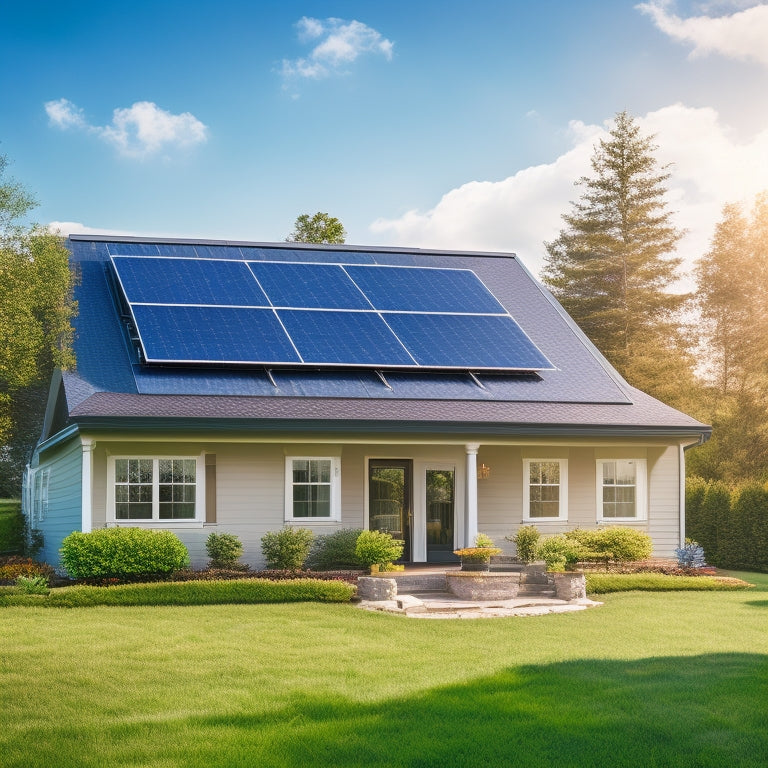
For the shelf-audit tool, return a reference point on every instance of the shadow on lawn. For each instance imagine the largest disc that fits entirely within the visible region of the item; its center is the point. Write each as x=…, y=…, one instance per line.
x=677, y=711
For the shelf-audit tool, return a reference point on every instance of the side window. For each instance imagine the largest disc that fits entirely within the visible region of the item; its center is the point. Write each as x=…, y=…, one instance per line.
x=545, y=489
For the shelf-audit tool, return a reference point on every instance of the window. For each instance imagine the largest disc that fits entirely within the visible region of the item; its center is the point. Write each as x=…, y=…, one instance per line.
x=621, y=489
x=545, y=489
x=40, y=496
x=154, y=489
x=312, y=489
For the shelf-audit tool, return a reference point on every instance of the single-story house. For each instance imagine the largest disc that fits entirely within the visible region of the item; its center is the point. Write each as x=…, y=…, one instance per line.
x=242, y=387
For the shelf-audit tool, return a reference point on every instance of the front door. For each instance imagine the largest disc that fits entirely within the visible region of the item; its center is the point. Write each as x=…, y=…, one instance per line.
x=439, y=486
x=390, y=499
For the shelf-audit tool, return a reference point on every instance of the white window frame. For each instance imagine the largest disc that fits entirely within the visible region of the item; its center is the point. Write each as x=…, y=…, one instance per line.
x=563, y=485
x=39, y=485
x=335, y=489
x=641, y=483
x=156, y=522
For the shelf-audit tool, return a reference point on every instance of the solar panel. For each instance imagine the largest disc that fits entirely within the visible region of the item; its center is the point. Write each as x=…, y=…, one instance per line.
x=279, y=313
x=312, y=286
x=468, y=341
x=344, y=338
x=419, y=289
x=212, y=335
x=188, y=281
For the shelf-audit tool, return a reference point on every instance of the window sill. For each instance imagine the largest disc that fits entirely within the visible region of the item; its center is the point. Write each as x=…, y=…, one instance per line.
x=162, y=524
x=625, y=520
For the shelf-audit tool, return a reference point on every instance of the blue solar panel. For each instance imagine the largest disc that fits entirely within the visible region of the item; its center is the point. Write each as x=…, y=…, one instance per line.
x=343, y=338
x=132, y=249
x=418, y=289
x=312, y=286
x=467, y=341
x=212, y=334
x=188, y=281
x=273, y=312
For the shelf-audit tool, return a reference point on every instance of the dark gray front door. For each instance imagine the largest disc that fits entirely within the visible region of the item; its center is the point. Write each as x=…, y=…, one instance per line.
x=390, y=499
x=440, y=487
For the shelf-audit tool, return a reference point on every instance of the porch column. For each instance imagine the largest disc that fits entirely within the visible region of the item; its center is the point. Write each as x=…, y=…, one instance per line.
x=471, y=494
x=86, y=494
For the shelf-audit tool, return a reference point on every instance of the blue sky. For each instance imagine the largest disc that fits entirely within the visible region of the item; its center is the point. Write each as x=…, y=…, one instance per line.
x=434, y=124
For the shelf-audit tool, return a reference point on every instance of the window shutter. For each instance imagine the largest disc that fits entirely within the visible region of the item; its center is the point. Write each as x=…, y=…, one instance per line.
x=210, y=487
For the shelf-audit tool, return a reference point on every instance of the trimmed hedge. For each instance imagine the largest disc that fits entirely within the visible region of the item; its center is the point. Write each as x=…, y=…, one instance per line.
x=603, y=583
x=121, y=552
x=731, y=525
x=243, y=591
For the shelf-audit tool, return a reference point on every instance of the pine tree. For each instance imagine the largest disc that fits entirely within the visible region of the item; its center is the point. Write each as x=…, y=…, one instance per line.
x=613, y=264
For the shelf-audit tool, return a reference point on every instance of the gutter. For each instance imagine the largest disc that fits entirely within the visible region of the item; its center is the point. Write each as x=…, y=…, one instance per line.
x=60, y=437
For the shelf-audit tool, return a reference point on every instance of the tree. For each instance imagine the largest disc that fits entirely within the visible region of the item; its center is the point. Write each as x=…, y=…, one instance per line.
x=732, y=299
x=613, y=264
x=35, y=332
x=320, y=228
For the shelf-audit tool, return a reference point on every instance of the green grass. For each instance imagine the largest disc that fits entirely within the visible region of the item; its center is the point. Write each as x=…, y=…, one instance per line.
x=675, y=679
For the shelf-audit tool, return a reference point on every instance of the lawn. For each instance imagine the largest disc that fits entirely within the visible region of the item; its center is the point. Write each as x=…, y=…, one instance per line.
x=650, y=679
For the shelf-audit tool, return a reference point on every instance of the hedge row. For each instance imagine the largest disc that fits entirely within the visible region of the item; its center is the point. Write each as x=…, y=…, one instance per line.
x=603, y=583
x=731, y=524
x=188, y=593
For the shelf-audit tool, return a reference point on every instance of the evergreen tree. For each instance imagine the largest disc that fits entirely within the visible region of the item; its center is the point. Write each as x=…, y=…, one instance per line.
x=732, y=298
x=613, y=265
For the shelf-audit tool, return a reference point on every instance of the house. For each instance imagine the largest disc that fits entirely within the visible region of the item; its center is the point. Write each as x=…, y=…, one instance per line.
x=241, y=387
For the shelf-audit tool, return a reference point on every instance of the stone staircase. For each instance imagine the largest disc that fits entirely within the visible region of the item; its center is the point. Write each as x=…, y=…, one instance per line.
x=533, y=583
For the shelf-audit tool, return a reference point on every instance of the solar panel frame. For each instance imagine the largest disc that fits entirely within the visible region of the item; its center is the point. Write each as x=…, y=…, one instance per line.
x=452, y=336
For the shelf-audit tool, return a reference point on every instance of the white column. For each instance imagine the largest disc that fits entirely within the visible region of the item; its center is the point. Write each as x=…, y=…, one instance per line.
x=87, y=488
x=471, y=493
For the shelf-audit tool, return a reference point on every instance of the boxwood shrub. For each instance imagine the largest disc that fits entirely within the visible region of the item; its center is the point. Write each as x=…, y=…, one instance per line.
x=287, y=549
x=122, y=552
x=335, y=550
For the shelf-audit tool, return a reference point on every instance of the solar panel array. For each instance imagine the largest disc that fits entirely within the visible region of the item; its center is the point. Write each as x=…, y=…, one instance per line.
x=216, y=311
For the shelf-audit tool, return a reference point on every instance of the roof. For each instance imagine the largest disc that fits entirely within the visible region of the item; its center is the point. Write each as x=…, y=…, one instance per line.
x=112, y=385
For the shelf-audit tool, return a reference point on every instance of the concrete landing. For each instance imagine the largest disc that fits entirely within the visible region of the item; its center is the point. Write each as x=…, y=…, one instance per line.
x=444, y=605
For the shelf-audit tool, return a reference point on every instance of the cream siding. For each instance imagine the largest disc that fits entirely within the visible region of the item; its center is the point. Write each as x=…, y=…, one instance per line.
x=250, y=487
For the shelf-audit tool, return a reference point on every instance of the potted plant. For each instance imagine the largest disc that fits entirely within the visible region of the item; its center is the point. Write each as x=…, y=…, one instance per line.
x=478, y=558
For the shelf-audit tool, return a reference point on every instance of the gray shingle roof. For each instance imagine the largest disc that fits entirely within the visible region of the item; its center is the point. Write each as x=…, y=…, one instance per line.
x=583, y=393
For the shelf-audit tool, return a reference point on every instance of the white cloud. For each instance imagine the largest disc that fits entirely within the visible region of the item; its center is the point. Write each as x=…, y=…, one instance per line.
x=137, y=131
x=523, y=211
x=741, y=35
x=65, y=228
x=337, y=43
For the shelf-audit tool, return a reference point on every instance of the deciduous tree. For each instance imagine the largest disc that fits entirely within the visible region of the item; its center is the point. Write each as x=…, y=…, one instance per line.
x=320, y=228
x=35, y=332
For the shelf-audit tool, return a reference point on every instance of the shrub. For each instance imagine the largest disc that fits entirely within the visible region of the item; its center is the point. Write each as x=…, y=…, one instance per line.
x=483, y=540
x=12, y=528
x=602, y=583
x=13, y=567
x=613, y=544
x=224, y=550
x=526, y=539
x=377, y=548
x=335, y=550
x=32, y=585
x=746, y=537
x=709, y=522
x=120, y=552
x=191, y=593
x=286, y=549
x=691, y=555
x=558, y=552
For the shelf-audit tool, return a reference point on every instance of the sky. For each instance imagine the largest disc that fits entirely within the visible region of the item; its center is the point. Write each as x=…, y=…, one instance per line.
x=459, y=124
